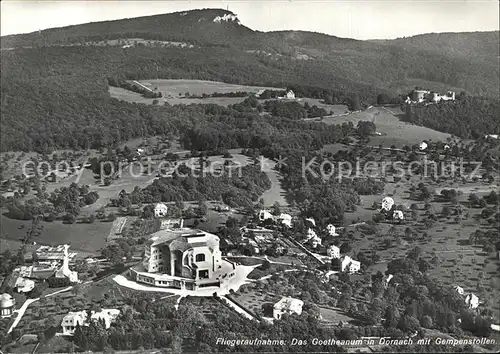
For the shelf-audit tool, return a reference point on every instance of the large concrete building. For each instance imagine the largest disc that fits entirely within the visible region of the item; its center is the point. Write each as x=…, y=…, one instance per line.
x=185, y=259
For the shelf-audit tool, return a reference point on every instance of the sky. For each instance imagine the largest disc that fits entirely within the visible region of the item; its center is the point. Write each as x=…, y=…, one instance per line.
x=360, y=19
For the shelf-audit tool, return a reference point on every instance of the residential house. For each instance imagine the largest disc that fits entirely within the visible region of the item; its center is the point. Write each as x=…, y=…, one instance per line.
x=160, y=210
x=287, y=305
x=72, y=320
x=24, y=285
x=80, y=318
x=350, y=265
x=333, y=251
x=472, y=301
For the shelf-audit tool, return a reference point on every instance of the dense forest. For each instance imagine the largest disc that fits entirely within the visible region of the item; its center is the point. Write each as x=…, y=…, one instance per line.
x=240, y=186
x=469, y=117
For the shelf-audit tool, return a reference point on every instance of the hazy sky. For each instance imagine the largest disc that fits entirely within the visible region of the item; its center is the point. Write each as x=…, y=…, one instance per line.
x=355, y=18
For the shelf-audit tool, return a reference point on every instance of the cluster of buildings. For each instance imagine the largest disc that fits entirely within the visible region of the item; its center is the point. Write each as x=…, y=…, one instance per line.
x=283, y=219
x=347, y=264
x=47, y=261
x=426, y=96
x=76, y=319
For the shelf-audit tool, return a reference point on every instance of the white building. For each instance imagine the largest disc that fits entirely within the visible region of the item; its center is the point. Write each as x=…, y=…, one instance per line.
x=160, y=210
x=80, y=318
x=183, y=259
x=459, y=290
x=397, y=215
x=423, y=145
x=265, y=215
x=472, y=301
x=285, y=219
x=64, y=271
x=108, y=316
x=71, y=320
x=287, y=305
x=290, y=95
x=350, y=265
x=7, y=305
x=24, y=285
x=331, y=230
x=387, y=203
x=333, y=251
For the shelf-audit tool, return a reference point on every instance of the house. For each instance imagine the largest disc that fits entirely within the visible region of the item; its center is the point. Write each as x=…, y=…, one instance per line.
x=387, y=203
x=108, y=316
x=331, y=230
x=7, y=305
x=397, y=215
x=423, y=145
x=333, y=251
x=160, y=210
x=24, y=285
x=287, y=305
x=350, y=265
x=71, y=320
x=285, y=219
x=312, y=238
x=183, y=259
x=387, y=280
x=64, y=271
x=290, y=95
x=472, y=301
x=80, y=318
x=265, y=215
x=459, y=290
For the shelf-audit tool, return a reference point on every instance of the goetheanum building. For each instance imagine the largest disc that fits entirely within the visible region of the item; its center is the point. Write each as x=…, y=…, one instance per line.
x=183, y=259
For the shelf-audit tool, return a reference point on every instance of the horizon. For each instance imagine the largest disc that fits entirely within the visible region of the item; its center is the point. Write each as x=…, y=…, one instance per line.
x=406, y=18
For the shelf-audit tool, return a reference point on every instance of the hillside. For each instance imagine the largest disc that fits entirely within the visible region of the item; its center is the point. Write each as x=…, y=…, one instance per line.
x=439, y=58
x=475, y=46
x=54, y=83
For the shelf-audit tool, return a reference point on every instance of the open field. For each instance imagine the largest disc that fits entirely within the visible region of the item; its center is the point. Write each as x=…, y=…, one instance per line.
x=393, y=130
x=82, y=237
x=174, y=92
x=456, y=261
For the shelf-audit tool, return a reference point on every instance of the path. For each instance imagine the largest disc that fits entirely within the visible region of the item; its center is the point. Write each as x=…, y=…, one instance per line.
x=238, y=308
x=275, y=193
x=28, y=302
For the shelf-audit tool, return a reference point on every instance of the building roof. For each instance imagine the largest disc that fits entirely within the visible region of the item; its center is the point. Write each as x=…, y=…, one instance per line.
x=182, y=239
x=74, y=318
x=6, y=301
x=287, y=302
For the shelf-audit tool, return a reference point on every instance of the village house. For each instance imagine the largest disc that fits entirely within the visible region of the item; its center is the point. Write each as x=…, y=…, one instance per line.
x=287, y=305
x=472, y=301
x=333, y=251
x=24, y=285
x=350, y=265
x=160, y=210
x=80, y=318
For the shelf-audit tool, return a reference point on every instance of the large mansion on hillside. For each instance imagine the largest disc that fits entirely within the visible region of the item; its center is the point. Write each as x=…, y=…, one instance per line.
x=183, y=258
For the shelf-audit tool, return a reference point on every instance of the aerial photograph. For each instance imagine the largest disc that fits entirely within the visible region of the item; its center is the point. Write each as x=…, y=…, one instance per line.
x=247, y=176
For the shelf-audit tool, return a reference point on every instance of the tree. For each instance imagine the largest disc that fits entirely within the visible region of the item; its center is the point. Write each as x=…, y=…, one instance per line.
x=383, y=98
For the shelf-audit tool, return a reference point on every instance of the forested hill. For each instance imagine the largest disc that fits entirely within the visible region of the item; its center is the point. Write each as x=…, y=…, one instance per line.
x=54, y=86
x=395, y=65
x=202, y=27
x=475, y=46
